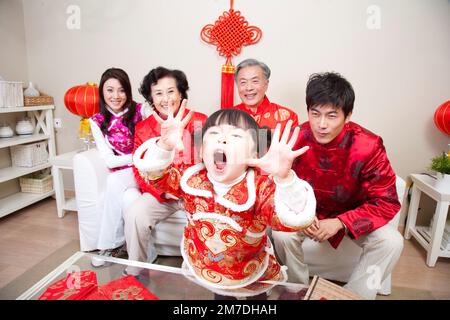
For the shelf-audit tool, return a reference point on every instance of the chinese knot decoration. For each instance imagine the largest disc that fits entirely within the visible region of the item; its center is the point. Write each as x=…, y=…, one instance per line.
x=229, y=34
x=442, y=117
x=83, y=101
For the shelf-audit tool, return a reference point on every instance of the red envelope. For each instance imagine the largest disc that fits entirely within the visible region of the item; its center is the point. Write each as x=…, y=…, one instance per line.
x=125, y=288
x=76, y=286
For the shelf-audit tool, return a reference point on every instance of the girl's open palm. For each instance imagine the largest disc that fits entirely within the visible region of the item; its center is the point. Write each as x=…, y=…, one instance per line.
x=278, y=160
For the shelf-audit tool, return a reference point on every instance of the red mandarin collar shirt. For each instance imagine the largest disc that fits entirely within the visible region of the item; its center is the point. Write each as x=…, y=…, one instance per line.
x=352, y=179
x=269, y=114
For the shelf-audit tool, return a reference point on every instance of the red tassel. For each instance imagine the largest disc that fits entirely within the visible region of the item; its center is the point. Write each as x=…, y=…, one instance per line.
x=227, y=100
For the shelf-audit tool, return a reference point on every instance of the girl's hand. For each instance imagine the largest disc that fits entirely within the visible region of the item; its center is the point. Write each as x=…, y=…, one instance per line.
x=278, y=160
x=172, y=128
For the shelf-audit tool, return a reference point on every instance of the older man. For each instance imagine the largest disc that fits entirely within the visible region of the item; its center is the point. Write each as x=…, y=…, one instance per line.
x=252, y=80
x=354, y=185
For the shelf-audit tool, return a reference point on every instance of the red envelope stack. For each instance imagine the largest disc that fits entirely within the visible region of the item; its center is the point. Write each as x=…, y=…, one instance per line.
x=83, y=286
x=126, y=288
x=76, y=286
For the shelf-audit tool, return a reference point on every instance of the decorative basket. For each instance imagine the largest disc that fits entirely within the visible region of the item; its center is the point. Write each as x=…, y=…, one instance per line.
x=11, y=94
x=42, y=100
x=29, y=155
x=36, y=183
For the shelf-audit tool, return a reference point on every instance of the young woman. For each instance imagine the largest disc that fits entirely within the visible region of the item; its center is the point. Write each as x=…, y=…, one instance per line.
x=113, y=130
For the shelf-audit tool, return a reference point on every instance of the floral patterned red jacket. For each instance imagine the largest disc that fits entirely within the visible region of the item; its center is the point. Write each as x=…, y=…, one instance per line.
x=225, y=244
x=352, y=179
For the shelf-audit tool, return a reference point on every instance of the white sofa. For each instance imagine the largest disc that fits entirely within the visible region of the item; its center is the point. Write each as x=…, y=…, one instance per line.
x=90, y=175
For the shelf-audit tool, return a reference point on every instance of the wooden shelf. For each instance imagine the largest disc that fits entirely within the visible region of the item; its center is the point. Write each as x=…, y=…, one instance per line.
x=20, y=200
x=42, y=119
x=425, y=233
x=16, y=140
x=25, y=109
x=10, y=173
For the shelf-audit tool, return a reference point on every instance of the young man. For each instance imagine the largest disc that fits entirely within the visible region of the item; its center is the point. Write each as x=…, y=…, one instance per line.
x=252, y=80
x=354, y=184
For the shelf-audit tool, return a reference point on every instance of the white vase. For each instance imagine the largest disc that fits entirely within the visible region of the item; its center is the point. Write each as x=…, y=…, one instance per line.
x=6, y=131
x=24, y=127
x=31, y=91
x=443, y=182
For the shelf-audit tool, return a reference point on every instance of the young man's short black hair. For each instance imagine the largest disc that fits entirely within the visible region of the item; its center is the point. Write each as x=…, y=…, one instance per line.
x=330, y=88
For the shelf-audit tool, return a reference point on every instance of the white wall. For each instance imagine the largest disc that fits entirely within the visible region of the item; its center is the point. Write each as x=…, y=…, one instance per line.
x=13, y=67
x=400, y=72
x=13, y=53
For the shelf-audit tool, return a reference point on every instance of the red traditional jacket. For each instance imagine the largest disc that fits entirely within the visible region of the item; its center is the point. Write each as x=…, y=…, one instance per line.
x=225, y=246
x=150, y=128
x=269, y=114
x=351, y=177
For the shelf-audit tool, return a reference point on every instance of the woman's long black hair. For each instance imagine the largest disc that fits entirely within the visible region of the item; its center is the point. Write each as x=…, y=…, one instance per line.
x=122, y=77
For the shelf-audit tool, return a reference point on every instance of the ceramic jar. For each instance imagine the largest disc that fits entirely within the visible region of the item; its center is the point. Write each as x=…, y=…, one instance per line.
x=24, y=126
x=6, y=131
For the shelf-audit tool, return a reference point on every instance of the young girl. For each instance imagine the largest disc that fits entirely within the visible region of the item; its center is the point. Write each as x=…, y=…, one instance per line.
x=113, y=131
x=230, y=205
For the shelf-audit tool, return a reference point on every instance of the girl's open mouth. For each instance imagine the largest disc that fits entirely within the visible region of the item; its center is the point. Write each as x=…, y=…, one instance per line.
x=220, y=160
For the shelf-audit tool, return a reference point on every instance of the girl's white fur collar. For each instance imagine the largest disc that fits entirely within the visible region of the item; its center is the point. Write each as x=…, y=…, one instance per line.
x=251, y=190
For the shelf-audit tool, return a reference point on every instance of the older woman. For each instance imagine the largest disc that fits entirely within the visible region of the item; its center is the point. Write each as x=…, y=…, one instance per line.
x=161, y=88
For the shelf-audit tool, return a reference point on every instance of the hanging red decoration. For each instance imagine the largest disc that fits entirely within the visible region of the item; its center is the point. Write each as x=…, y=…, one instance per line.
x=442, y=117
x=83, y=101
x=229, y=34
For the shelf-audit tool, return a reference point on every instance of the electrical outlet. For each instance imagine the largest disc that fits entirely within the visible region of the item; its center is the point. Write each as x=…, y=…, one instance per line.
x=58, y=123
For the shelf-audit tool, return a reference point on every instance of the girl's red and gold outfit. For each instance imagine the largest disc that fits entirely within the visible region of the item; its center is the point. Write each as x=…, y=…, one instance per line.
x=225, y=244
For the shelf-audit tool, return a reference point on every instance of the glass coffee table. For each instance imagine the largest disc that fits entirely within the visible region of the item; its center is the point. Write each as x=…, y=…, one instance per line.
x=167, y=283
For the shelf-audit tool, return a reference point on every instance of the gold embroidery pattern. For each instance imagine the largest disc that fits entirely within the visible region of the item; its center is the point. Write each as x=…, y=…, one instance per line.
x=282, y=115
x=151, y=176
x=131, y=293
x=200, y=181
x=219, y=254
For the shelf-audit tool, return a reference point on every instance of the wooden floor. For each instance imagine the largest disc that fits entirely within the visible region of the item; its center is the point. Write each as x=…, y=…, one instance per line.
x=33, y=233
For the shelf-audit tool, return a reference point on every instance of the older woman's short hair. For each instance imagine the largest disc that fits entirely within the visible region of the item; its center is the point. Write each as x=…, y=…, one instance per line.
x=154, y=75
x=252, y=62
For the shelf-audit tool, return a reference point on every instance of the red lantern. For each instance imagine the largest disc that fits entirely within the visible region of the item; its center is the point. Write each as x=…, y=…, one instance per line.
x=82, y=100
x=442, y=117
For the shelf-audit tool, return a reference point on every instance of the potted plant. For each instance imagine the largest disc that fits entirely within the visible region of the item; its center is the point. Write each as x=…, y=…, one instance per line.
x=441, y=164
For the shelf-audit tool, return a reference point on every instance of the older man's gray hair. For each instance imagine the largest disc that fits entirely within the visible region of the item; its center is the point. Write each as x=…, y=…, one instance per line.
x=252, y=62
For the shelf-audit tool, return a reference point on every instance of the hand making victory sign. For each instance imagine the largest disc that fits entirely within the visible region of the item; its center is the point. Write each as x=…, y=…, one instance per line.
x=172, y=128
x=280, y=156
